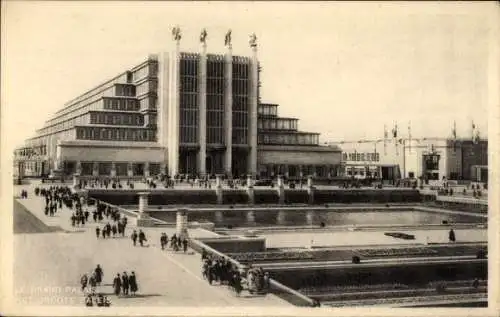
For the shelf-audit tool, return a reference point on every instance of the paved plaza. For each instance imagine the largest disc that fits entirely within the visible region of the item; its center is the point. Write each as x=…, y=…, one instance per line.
x=48, y=267
x=51, y=255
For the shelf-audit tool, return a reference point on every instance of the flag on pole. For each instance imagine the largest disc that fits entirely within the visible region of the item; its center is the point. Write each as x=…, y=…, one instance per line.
x=473, y=131
x=395, y=131
x=395, y=136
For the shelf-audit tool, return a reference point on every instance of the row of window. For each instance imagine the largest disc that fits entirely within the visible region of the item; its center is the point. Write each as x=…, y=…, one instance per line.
x=124, y=90
x=121, y=104
x=268, y=110
x=36, y=150
x=289, y=139
x=148, y=103
x=277, y=124
x=94, y=95
x=372, y=157
x=150, y=69
x=50, y=126
x=297, y=170
x=149, y=86
x=67, y=124
x=117, y=119
x=115, y=134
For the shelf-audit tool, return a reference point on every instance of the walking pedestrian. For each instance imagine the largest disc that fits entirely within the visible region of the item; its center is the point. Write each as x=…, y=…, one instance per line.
x=142, y=238
x=125, y=283
x=97, y=232
x=98, y=274
x=132, y=280
x=134, y=237
x=117, y=284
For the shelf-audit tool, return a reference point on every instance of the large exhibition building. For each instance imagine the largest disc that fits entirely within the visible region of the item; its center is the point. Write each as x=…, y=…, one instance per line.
x=177, y=113
x=430, y=158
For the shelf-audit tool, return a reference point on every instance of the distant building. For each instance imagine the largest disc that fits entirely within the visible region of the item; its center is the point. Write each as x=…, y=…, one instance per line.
x=431, y=158
x=176, y=113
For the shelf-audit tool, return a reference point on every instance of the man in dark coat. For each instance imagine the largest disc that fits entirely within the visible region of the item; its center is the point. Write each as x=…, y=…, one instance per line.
x=98, y=274
x=97, y=232
x=125, y=283
x=451, y=236
x=117, y=284
x=185, y=244
x=142, y=237
x=134, y=237
x=133, y=283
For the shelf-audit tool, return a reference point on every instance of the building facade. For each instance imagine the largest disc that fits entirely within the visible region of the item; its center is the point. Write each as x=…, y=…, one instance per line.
x=431, y=158
x=175, y=113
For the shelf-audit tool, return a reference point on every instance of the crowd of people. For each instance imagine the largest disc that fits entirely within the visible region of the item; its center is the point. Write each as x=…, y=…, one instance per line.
x=175, y=242
x=56, y=196
x=123, y=285
x=220, y=270
x=118, y=226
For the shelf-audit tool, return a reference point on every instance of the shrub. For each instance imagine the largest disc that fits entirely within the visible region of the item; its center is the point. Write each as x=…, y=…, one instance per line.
x=479, y=193
x=356, y=260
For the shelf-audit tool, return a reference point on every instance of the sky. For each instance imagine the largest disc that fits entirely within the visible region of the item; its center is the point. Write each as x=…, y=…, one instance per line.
x=344, y=69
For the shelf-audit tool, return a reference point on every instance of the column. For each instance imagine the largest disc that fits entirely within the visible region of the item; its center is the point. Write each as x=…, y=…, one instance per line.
x=281, y=189
x=250, y=190
x=146, y=169
x=310, y=189
x=143, y=218
x=95, y=169
x=202, y=110
x=173, y=112
x=130, y=171
x=254, y=94
x=76, y=180
x=78, y=167
x=182, y=223
x=218, y=189
x=113, y=169
x=228, y=109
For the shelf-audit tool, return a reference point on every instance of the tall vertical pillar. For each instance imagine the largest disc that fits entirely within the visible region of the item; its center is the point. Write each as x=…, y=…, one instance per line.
x=95, y=169
x=146, y=169
x=173, y=109
x=281, y=189
x=182, y=223
x=202, y=106
x=218, y=189
x=143, y=218
x=253, y=106
x=228, y=105
x=113, y=169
